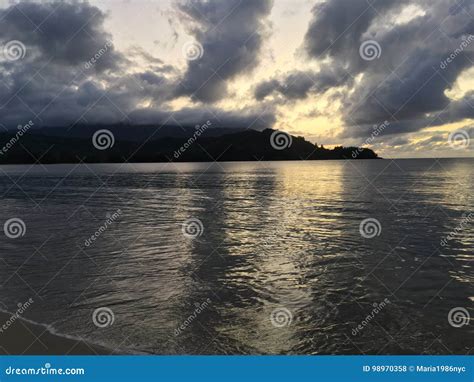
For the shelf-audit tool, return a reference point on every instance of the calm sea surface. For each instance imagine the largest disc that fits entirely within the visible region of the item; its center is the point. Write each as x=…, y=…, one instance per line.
x=280, y=265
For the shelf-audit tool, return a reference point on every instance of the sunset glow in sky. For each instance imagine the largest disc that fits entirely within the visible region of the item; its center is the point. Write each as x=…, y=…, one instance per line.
x=296, y=66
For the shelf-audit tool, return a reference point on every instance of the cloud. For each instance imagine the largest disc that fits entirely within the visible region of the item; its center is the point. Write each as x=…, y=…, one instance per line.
x=63, y=33
x=458, y=110
x=407, y=84
x=433, y=142
x=53, y=83
x=231, y=34
x=247, y=118
x=298, y=85
x=338, y=25
x=71, y=72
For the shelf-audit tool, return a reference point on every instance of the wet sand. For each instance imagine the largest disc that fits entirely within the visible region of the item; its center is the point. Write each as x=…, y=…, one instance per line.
x=23, y=337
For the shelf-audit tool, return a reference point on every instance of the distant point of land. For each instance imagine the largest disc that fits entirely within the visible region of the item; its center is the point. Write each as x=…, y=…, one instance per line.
x=120, y=144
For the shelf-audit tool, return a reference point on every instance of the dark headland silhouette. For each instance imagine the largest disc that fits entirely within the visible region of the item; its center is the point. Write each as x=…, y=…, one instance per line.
x=166, y=144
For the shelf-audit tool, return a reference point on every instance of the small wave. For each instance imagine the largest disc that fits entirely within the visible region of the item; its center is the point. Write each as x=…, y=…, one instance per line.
x=53, y=331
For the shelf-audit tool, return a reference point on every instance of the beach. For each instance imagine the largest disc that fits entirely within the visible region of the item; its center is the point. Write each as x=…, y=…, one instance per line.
x=23, y=337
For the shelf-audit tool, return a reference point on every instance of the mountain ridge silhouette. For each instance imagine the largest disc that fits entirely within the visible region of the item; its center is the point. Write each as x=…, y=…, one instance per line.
x=196, y=144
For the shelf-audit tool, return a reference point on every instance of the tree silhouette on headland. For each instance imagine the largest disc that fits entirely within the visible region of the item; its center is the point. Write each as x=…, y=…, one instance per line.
x=38, y=146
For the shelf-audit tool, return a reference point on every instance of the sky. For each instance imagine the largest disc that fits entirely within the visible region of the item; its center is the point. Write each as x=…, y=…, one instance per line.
x=393, y=75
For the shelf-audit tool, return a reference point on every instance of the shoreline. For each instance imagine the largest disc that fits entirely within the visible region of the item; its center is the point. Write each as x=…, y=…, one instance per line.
x=232, y=161
x=217, y=161
x=23, y=337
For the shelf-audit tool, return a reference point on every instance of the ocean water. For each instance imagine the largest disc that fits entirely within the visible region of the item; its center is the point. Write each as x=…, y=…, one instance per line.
x=274, y=260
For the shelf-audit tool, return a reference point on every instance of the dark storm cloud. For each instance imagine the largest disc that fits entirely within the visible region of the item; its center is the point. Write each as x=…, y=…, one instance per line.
x=71, y=72
x=64, y=33
x=337, y=25
x=416, y=85
x=299, y=84
x=459, y=109
x=245, y=118
x=69, y=59
x=231, y=34
x=399, y=142
x=407, y=83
